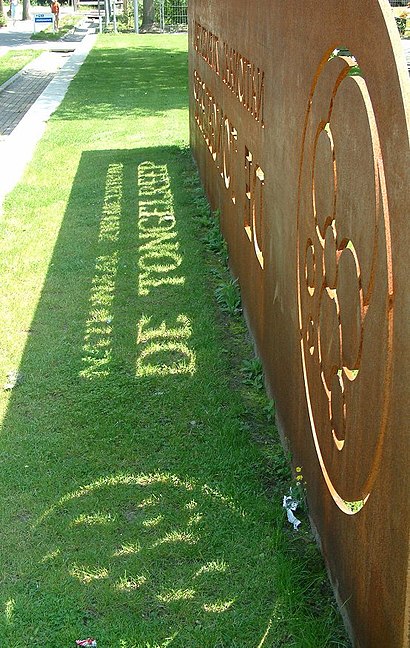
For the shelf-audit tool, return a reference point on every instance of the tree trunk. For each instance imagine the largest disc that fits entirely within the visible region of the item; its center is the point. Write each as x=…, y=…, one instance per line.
x=26, y=9
x=148, y=10
x=2, y=13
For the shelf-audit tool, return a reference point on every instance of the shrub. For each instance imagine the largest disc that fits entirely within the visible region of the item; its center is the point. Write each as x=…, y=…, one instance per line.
x=228, y=297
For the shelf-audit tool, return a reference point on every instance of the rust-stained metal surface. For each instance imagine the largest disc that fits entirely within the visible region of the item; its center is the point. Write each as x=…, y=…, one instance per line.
x=300, y=129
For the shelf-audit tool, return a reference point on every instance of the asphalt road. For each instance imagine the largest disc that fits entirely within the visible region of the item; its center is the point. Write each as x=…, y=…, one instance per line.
x=18, y=35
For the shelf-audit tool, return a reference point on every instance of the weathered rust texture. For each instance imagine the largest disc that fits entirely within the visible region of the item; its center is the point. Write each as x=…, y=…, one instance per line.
x=307, y=156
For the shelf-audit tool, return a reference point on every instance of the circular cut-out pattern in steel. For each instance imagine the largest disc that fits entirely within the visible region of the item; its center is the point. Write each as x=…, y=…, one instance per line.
x=345, y=281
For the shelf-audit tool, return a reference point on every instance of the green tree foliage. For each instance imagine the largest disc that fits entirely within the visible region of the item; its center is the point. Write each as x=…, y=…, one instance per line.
x=2, y=14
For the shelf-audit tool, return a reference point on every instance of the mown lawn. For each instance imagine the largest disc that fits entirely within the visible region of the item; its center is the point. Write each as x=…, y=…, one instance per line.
x=65, y=24
x=14, y=61
x=141, y=474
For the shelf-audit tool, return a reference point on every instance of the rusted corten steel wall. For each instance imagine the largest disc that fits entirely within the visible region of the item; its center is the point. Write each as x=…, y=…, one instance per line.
x=306, y=153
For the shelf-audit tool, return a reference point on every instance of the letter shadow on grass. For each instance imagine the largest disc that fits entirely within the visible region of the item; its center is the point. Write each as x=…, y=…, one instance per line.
x=125, y=516
x=148, y=85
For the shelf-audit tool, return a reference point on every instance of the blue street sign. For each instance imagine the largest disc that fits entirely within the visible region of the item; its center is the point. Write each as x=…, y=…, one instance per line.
x=43, y=18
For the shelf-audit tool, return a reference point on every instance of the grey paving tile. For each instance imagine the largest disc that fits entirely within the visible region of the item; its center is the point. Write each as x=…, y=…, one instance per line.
x=19, y=96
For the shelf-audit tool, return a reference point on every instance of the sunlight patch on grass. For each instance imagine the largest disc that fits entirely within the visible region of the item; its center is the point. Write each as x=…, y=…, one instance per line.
x=154, y=269
x=152, y=522
x=215, y=566
x=176, y=595
x=51, y=555
x=127, y=549
x=184, y=329
x=171, y=358
x=9, y=607
x=161, y=349
x=228, y=501
x=218, y=606
x=176, y=536
x=153, y=500
x=122, y=479
x=93, y=519
x=159, y=255
x=87, y=575
x=265, y=634
x=98, y=335
x=129, y=584
x=195, y=519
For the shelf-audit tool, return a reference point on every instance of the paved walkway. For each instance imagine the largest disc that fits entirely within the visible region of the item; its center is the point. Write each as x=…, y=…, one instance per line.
x=30, y=97
x=18, y=36
x=18, y=95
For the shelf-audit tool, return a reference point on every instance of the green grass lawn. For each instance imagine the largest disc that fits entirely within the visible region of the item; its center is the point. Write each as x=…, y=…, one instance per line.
x=65, y=24
x=141, y=474
x=14, y=61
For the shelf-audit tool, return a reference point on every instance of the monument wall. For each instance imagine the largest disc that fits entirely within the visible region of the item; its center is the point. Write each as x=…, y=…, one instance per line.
x=299, y=116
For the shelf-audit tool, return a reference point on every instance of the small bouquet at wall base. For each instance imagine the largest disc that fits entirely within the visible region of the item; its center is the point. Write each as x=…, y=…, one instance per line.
x=290, y=505
x=91, y=643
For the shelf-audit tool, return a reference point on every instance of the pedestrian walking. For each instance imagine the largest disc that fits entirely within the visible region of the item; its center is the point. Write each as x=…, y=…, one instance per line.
x=55, y=10
x=13, y=10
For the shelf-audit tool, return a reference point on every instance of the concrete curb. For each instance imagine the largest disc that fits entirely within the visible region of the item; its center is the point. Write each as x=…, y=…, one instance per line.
x=33, y=65
x=17, y=150
x=12, y=79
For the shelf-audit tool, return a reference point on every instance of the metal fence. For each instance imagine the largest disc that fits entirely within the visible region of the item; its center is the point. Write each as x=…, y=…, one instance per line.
x=173, y=15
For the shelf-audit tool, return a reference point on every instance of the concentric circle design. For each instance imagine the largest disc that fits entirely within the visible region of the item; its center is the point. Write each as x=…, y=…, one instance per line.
x=345, y=285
